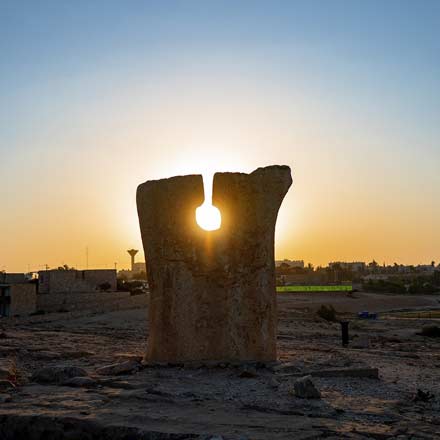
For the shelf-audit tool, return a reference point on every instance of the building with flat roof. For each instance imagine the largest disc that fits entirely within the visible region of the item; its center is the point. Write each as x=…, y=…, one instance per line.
x=13, y=278
x=355, y=266
x=290, y=263
x=76, y=281
x=17, y=297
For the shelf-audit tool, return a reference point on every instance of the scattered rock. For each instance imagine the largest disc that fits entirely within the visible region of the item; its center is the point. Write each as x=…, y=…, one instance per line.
x=431, y=331
x=248, y=371
x=422, y=396
x=367, y=372
x=5, y=351
x=274, y=382
x=272, y=365
x=211, y=364
x=46, y=427
x=6, y=385
x=129, y=357
x=8, y=369
x=193, y=365
x=57, y=375
x=147, y=364
x=47, y=355
x=288, y=367
x=5, y=398
x=372, y=373
x=304, y=388
x=80, y=382
x=77, y=354
x=362, y=342
x=157, y=392
x=119, y=368
x=328, y=313
x=118, y=384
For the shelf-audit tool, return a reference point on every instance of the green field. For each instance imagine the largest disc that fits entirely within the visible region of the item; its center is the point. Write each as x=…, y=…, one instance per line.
x=341, y=288
x=422, y=314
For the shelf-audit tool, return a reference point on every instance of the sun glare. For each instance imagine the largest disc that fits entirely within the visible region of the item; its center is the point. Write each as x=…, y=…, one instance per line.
x=208, y=217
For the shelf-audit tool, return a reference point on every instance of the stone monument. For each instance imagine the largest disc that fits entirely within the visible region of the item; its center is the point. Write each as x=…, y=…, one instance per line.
x=212, y=293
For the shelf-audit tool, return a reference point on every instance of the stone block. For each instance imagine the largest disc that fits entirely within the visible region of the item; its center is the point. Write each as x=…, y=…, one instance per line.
x=212, y=292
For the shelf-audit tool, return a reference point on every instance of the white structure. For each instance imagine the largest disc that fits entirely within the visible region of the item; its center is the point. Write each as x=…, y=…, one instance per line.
x=290, y=263
x=354, y=266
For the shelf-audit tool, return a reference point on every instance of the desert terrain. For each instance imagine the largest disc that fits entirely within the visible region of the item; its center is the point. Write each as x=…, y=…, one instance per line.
x=81, y=376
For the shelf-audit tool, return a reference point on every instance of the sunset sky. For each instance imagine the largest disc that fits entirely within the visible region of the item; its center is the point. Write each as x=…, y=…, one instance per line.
x=99, y=96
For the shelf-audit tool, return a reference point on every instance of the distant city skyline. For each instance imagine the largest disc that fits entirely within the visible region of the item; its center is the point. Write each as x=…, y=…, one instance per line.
x=97, y=97
x=124, y=266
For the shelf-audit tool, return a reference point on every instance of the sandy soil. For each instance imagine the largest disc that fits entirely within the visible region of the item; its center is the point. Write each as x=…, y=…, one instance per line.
x=228, y=401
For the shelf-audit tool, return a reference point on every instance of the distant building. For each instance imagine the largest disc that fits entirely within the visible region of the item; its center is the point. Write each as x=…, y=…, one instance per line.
x=375, y=277
x=17, y=295
x=306, y=278
x=138, y=268
x=76, y=281
x=290, y=263
x=355, y=266
x=13, y=278
x=426, y=268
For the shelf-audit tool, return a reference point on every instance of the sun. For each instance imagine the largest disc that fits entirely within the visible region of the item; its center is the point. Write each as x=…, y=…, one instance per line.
x=208, y=217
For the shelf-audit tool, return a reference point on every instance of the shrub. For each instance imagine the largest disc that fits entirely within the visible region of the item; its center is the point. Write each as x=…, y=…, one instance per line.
x=137, y=291
x=384, y=286
x=104, y=287
x=327, y=312
x=133, y=286
x=420, y=287
x=431, y=331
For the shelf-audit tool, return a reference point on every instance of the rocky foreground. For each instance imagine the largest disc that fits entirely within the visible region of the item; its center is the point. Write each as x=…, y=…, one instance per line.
x=67, y=377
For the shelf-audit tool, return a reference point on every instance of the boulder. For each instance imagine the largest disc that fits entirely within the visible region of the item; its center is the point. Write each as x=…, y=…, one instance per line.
x=212, y=293
x=57, y=375
x=304, y=388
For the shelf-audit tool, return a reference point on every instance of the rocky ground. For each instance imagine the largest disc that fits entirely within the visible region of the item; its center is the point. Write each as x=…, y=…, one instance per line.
x=67, y=376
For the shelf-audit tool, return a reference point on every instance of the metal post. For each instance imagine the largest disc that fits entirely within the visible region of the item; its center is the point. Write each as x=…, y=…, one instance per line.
x=344, y=330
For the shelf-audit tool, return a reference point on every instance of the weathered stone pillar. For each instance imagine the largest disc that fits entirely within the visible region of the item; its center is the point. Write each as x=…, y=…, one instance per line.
x=212, y=293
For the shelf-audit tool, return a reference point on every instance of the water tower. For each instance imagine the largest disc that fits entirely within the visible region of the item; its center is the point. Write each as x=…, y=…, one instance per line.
x=132, y=253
